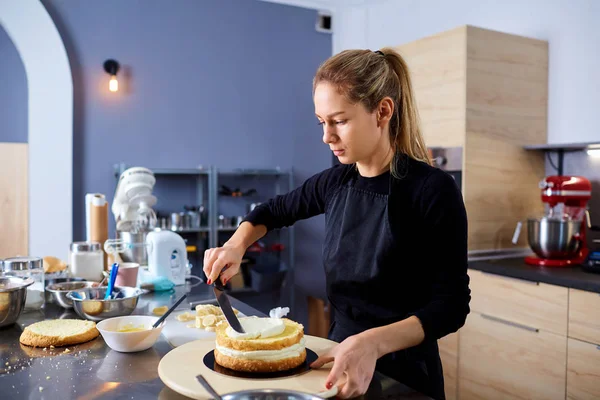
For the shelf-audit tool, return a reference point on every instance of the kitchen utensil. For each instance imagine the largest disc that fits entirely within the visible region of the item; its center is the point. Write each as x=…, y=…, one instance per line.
x=167, y=256
x=176, y=372
x=208, y=388
x=111, y=281
x=131, y=246
x=225, y=304
x=13, y=293
x=558, y=238
x=28, y=267
x=554, y=239
x=129, y=342
x=50, y=280
x=169, y=311
x=89, y=303
x=59, y=291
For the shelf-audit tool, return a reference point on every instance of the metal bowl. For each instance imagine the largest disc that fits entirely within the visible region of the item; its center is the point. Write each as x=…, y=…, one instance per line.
x=89, y=303
x=59, y=291
x=13, y=292
x=554, y=238
x=268, y=394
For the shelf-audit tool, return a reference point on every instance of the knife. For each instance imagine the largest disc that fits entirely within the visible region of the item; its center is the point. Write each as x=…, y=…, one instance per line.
x=223, y=301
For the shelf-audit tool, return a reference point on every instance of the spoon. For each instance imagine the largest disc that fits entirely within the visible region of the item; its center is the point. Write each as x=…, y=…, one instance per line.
x=208, y=388
x=169, y=311
x=111, y=281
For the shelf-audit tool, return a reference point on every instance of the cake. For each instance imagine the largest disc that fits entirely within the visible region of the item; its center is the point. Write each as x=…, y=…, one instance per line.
x=59, y=332
x=269, y=345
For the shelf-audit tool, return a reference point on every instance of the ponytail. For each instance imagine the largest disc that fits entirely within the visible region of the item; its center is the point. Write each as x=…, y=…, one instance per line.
x=405, y=127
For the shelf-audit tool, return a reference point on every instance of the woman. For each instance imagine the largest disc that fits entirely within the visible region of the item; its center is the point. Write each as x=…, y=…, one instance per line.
x=395, y=250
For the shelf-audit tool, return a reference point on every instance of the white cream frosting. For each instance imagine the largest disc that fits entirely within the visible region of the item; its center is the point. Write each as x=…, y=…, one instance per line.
x=265, y=355
x=256, y=327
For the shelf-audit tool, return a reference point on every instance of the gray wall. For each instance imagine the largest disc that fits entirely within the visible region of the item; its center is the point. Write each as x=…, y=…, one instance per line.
x=212, y=82
x=13, y=93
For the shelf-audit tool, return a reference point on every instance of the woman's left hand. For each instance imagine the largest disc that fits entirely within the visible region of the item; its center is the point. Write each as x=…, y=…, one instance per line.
x=355, y=357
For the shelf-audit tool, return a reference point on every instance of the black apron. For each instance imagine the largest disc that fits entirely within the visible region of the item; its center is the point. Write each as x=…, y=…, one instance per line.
x=362, y=270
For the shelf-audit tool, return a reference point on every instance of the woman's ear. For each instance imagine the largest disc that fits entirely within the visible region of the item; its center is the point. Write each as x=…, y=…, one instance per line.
x=385, y=110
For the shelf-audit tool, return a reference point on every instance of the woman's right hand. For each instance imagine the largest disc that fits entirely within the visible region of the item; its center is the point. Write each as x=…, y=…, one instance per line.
x=216, y=259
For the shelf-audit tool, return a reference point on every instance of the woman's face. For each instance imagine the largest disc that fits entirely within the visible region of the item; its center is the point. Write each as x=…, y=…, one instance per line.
x=353, y=134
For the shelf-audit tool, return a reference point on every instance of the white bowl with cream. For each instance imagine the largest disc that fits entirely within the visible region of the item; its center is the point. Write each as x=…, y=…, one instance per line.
x=130, y=333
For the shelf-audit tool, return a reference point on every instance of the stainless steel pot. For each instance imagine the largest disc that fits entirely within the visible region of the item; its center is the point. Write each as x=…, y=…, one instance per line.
x=13, y=293
x=554, y=238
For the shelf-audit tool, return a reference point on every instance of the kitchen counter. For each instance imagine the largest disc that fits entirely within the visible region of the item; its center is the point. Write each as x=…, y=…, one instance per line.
x=572, y=277
x=93, y=371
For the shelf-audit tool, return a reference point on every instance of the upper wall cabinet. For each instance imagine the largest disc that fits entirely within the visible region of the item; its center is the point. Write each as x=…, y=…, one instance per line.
x=486, y=92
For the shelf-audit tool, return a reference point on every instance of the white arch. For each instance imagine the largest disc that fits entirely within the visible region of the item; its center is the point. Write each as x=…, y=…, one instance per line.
x=50, y=124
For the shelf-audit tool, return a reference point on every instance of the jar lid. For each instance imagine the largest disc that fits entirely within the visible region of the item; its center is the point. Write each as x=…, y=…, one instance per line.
x=22, y=263
x=85, y=246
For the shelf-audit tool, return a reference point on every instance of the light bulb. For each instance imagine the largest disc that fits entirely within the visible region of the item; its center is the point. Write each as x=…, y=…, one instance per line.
x=113, y=84
x=594, y=152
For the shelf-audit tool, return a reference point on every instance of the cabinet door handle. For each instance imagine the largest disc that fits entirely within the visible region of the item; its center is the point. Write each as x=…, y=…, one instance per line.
x=506, y=322
x=534, y=283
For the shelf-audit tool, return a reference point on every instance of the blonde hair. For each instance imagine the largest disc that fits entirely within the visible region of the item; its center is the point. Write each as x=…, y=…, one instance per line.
x=367, y=77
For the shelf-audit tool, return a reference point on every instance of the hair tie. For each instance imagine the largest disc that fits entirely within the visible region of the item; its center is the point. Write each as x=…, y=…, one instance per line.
x=379, y=52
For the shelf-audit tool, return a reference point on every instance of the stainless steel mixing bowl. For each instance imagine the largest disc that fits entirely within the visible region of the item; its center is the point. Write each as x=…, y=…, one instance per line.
x=554, y=238
x=13, y=292
x=89, y=303
x=59, y=291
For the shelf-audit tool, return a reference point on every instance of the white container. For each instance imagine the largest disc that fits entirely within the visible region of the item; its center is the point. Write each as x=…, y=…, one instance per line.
x=86, y=260
x=128, y=342
x=28, y=267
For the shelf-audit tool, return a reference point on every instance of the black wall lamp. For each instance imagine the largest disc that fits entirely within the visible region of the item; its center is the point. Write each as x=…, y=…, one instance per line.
x=112, y=67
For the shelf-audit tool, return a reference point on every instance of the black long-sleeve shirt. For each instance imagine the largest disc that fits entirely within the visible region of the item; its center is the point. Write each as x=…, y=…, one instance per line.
x=428, y=221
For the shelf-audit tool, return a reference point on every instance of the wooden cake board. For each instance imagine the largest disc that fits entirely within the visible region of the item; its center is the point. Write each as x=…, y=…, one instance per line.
x=178, y=370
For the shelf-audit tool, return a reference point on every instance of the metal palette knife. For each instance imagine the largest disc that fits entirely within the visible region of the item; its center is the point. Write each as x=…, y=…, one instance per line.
x=223, y=301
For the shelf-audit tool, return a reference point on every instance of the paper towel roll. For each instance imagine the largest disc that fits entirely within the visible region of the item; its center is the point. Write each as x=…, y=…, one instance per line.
x=97, y=221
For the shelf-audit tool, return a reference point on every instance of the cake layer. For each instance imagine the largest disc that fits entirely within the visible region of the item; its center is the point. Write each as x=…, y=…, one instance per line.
x=266, y=355
x=247, y=365
x=291, y=335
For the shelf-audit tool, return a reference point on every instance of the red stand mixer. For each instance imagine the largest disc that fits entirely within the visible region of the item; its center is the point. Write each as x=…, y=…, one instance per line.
x=559, y=238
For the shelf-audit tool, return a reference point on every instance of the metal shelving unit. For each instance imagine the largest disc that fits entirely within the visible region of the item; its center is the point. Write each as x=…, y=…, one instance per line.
x=207, y=179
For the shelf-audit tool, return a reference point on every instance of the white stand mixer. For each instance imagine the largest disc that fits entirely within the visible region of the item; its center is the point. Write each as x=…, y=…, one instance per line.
x=132, y=209
x=133, y=202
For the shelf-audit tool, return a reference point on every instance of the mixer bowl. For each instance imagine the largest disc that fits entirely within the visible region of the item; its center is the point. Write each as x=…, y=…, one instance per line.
x=554, y=238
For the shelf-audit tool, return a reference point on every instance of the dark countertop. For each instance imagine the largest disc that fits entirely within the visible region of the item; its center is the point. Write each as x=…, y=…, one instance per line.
x=93, y=371
x=572, y=277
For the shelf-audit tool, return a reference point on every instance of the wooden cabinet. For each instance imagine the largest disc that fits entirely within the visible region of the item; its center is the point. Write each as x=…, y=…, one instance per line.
x=486, y=91
x=14, y=200
x=584, y=316
x=583, y=370
x=449, y=354
x=503, y=360
x=534, y=304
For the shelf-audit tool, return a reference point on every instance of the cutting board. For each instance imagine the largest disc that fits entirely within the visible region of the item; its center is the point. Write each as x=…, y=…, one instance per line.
x=178, y=370
x=177, y=333
x=14, y=205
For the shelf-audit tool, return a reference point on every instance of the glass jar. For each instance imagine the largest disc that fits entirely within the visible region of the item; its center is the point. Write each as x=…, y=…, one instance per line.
x=86, y=260
x=28, y=267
